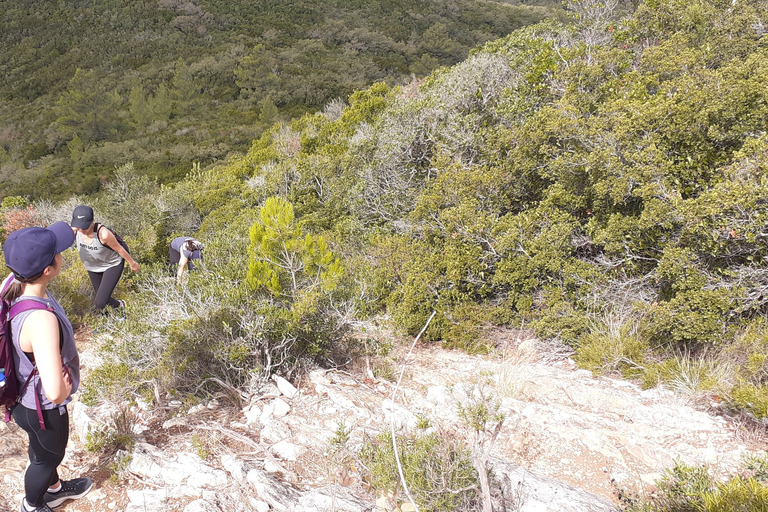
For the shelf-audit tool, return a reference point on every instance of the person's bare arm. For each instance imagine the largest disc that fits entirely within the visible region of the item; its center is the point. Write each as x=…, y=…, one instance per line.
x=182, y=265
x=107, y=238
x=41, y=333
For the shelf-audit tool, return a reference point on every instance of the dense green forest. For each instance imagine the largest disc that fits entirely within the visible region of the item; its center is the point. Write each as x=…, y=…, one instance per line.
x=86, y=86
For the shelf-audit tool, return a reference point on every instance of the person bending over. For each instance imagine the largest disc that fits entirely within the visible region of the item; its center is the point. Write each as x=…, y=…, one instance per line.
x=183, y=250
x=102, y=256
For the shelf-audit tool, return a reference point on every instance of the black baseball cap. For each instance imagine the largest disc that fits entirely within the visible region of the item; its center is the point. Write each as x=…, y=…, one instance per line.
x=82, y=217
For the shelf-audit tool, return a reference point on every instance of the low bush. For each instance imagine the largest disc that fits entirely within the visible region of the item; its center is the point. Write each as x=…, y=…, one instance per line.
x=436, y=466
x=686, y=488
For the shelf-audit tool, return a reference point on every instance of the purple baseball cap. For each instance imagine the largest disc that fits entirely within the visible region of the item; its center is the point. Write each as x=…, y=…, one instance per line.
x=29, y=250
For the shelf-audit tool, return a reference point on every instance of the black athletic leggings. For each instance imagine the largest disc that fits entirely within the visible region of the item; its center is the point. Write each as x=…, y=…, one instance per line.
x=46, y=449
x=104, y=283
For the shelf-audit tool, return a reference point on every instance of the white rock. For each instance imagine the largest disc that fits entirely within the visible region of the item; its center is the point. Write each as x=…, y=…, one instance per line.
x=284, y=386
x=318, y=377
x=142, y=404
x=186, y=491
x=270, y=466
x=176, y=421
x=437, y=394
x=651, y=478
x=187, y=469
x=287, y=451
x=195, y=409
x=275, y=431
x=142, y=500
x=252, y=414
x=82, y=421
x=403, y=418
x=201, y=506
x=281, y=407
x=145, y=461
x=319, y=501
x=269, y=389
x=234, y=466
x=266, y=415
x=533, y=506
x=212, y=479
x=277, y=495
x=258, y=505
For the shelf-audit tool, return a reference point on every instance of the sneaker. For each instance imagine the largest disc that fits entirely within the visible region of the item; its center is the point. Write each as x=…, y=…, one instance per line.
x=70, y=490
x=120, y=310
x=44, y=508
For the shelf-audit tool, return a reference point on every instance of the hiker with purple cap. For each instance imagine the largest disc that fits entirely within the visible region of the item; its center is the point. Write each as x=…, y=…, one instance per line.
x=103, y=256
x=45, y=358
x=182, y=251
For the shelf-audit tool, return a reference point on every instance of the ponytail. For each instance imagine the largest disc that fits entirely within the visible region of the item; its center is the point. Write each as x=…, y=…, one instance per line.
x=13, y=291
x=16, y=286
x=193, y=245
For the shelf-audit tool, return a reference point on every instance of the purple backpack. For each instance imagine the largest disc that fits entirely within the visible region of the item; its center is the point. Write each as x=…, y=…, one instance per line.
x=11, y=391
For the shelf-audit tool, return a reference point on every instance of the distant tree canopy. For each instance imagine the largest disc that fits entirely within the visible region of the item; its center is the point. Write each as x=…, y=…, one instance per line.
x=163, y=84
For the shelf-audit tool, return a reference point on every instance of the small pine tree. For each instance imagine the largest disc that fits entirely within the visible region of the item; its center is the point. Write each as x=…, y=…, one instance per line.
x=285, y=263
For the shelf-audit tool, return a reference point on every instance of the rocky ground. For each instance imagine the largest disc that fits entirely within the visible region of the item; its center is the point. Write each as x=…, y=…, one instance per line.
x=570, y=441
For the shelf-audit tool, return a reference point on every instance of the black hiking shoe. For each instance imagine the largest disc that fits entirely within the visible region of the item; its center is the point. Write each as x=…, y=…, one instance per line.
x=70, y=490
x=44, y=508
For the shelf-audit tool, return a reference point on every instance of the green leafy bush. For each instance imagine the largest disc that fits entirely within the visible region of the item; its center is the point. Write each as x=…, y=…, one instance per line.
x=687, y=488
x=750, y=397
x=437, y=469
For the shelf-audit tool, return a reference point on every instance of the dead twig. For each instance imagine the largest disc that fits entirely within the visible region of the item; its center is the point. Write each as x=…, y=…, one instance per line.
x=392, y=422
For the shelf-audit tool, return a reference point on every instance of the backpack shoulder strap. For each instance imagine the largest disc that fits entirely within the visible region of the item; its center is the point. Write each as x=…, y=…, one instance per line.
x=97, y=230
x=27, y=305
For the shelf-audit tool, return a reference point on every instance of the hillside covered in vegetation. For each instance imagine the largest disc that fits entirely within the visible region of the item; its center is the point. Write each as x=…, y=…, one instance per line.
x=601, y=183
x=85, y=86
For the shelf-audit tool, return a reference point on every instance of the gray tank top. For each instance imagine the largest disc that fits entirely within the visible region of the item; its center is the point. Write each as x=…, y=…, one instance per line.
x=96, y=257
x=24, y=366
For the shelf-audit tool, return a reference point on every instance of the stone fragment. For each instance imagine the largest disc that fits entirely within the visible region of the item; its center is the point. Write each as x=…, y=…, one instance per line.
x=234, y=466
x=252, y=414
x=284, y=386
x=281, y=408
x=288, y=451
x=201, y=506
x=82, y=421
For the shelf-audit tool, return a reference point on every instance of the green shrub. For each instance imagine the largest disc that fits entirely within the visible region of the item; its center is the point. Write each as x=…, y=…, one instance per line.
x=602, y=352
x=109, y=382
x=110, y=440
x=687, y=488
x=687, y=373
x=72, y=288
x=750, y=397
x=436, y=469
x=558, y=317
x=758, y=464
x=690, y=318
x=737, y=494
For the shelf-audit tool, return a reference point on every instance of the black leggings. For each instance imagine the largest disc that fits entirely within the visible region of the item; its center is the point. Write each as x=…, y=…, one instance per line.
x=104, y=283
x=46, y=449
